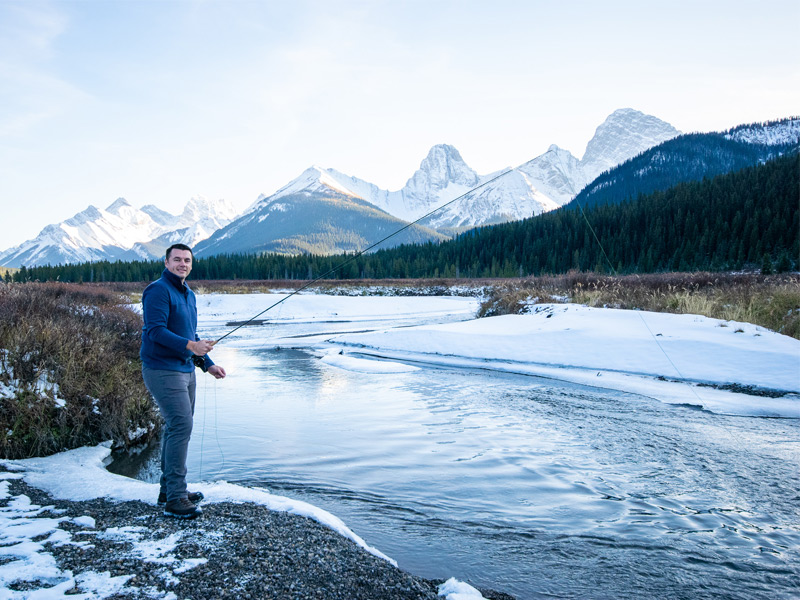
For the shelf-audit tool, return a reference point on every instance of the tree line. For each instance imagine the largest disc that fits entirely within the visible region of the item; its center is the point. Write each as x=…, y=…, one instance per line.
x=742, y=219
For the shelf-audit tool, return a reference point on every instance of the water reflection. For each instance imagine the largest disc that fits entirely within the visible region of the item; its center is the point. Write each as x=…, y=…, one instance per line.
x=534, y=487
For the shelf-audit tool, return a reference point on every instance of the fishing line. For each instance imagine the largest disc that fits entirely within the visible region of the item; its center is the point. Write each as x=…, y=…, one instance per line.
x=203, y=433
x=650, y=331
x=323, y=276
x=365, y=250
x=736, y=438
x=216, y=429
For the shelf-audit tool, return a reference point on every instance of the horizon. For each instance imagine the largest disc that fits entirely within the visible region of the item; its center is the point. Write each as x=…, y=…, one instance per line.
x=232, y=100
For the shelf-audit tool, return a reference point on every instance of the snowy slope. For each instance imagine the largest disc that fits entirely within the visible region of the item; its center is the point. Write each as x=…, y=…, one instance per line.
x=120, y=232
x=770, y=134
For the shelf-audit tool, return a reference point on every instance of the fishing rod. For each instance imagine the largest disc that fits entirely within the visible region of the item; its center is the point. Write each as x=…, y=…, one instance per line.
x=361, y=252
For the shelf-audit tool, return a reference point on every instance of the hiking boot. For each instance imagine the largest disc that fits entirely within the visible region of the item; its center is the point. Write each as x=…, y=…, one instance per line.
x=183, y=508
x=194, y=498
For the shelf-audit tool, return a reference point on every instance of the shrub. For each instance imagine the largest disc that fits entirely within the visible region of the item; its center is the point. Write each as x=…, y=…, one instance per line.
x=69, y=370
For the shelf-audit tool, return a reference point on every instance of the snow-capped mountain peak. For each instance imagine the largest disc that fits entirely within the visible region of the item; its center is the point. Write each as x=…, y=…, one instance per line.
x=624, y=134
x=199, y=208
x=162, y=217
x=120, y=232
x=442, y=167
x=556, y=174
x=313, y=180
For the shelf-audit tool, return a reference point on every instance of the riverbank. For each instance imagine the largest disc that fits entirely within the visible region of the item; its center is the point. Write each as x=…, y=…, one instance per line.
x=69, y=528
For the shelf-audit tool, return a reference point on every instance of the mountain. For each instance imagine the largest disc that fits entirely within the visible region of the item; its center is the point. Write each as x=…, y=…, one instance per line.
x=693, y=157
x=332, y=212
x=315, y=213
x=120, y=232
x=540, y=185
x=623, y=135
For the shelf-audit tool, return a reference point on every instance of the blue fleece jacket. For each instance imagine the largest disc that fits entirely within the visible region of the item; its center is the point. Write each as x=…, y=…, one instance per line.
x=170, y=321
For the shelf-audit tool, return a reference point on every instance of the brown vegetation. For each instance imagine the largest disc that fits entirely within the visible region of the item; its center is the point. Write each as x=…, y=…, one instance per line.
x=69, y=369
x=772, y=301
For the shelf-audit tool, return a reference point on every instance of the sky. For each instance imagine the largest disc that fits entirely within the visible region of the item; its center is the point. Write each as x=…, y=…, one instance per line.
x=160, y=101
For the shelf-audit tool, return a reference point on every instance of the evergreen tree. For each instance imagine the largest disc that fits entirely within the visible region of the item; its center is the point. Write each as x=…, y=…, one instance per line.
x=766, y=265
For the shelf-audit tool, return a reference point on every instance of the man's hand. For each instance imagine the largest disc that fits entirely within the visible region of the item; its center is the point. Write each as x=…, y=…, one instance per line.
x=200, y=348
x=217, y=371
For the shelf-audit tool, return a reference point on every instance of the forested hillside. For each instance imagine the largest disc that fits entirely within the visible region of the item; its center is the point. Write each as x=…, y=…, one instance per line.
x=746, y=218
x=686, y=158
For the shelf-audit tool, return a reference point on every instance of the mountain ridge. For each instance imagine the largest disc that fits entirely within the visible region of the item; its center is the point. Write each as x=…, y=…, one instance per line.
x=119, y=232
x=544, y=183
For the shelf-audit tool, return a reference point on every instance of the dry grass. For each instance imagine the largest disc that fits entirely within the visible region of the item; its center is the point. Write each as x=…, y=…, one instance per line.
x=772, y=301
x=76, y=346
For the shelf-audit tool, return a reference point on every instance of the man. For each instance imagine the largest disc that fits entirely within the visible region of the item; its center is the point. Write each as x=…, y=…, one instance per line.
x=170, y=351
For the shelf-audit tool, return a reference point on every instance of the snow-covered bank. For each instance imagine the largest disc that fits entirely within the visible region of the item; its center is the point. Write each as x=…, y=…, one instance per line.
x=81, y=475
x=654, y=354
x=221, y=308
x=29, y=533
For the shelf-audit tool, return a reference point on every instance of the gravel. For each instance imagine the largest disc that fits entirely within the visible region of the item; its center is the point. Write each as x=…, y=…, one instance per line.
x=242, y=551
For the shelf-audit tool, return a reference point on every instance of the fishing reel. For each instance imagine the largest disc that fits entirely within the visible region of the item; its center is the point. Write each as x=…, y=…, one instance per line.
x=200, y=361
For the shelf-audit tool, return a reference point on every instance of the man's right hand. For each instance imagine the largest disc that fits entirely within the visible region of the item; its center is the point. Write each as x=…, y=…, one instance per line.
x=200, y=348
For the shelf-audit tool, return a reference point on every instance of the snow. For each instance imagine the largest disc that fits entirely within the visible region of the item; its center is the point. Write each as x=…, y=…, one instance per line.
x=658, y=355
x=783, y=132
x=672, y=358
x=453, y=589
x=310, y=308
x=95, y=234
x=81, y=475
x=663, y=356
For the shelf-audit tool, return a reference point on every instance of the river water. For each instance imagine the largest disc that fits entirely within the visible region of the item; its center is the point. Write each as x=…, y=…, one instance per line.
x=534, y=487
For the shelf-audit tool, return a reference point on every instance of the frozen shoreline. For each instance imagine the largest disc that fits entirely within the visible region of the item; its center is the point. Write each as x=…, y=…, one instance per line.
x=96, y=534
x=677, y=359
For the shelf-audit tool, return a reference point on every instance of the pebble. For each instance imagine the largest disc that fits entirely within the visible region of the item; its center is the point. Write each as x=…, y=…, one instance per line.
x=251, y=552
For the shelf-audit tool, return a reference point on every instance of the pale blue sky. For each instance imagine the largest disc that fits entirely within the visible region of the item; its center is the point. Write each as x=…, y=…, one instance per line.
x=158, y=101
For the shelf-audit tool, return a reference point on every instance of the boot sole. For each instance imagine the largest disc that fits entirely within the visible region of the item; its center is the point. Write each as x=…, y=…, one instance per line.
x=199, y=500
x=188, y=517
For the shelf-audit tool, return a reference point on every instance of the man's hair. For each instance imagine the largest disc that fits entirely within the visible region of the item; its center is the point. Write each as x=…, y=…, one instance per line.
x=178, y=247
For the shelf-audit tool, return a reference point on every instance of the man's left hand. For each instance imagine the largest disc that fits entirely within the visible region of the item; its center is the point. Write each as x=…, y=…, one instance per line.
x=217, y=371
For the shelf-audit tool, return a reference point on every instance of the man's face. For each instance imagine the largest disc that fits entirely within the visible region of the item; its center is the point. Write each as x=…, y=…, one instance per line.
x=179, y=263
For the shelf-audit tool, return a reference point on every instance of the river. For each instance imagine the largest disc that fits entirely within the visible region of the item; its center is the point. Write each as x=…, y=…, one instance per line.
x=531, y=486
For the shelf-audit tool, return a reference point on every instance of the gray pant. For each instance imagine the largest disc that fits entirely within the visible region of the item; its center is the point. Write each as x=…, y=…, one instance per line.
x=174, y=393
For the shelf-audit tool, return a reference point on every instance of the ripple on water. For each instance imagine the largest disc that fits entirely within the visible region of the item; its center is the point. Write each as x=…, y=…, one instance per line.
x=530, y=486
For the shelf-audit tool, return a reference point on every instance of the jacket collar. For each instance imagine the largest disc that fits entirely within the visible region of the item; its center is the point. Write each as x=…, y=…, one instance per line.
x=175, y=280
